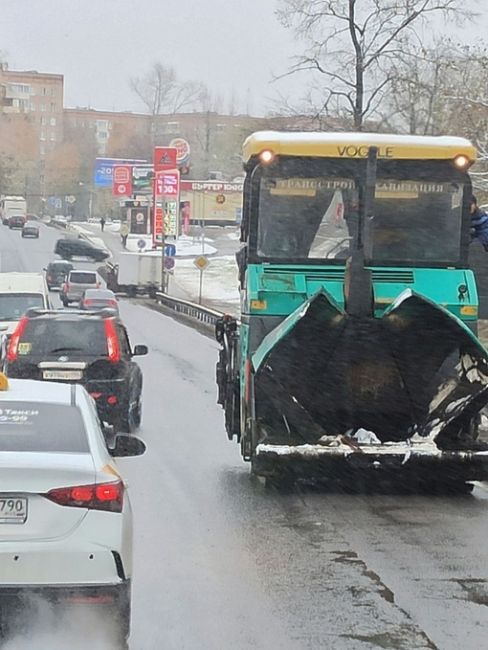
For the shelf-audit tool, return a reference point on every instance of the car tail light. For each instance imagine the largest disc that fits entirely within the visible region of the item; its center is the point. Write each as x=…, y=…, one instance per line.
x=96, y=395
x=88, y=301
x=113, y=346
x=113, y=303
x=49, y=277
x=101, y=496
x=112, y=400
x=13, y=344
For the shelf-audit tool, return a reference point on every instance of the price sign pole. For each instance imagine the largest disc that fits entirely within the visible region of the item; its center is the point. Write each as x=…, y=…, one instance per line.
x=166, y=187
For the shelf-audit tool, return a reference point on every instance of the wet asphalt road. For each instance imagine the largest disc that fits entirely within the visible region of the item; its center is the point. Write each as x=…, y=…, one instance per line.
x=223, y=562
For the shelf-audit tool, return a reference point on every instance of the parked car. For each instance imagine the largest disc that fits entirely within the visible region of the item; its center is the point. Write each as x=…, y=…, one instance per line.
x=68, y=248
x=30, y=229
x=56, y=273
x=88, y=348
x=75, y=284
x=65, y=513
x=93, y=299
x=17, y=222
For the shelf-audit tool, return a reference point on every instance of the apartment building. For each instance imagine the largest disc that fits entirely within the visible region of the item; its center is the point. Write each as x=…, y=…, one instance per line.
x=33, y=98
x=112, y=131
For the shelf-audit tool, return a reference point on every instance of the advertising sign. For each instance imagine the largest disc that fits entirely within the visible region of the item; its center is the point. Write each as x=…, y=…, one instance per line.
x=164, y=158
x=168, y=184
x=122, y=180
x=182, y=150
x=142, y=179
x=103, y=171
x=212, y=202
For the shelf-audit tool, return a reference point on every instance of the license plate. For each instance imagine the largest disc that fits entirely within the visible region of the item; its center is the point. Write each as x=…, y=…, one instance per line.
x=13, y=510
x=62, y=374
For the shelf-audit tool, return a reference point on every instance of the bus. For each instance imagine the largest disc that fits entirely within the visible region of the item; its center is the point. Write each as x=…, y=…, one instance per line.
x=11, y=206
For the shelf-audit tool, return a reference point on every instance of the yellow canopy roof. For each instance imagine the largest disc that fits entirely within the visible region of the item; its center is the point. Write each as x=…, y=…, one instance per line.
x=356, y=145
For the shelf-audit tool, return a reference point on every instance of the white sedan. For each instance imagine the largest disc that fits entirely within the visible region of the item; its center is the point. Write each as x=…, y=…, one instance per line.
x=65, y=516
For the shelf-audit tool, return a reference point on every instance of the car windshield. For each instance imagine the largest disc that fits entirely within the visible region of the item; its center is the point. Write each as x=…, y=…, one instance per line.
x=99, y=294
x=14, y=305
x=311, y=211
x=82, y=337
x=81, y=277
x=59, y=268
x=41, y=427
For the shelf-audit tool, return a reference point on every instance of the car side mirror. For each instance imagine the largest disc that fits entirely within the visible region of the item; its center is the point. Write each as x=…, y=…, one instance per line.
x=126, y=445
x=139, y=350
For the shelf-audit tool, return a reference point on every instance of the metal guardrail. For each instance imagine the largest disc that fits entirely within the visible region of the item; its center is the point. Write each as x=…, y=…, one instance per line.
x=190, y=309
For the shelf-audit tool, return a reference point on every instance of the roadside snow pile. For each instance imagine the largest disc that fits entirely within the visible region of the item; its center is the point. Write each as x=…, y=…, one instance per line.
x=219, y=279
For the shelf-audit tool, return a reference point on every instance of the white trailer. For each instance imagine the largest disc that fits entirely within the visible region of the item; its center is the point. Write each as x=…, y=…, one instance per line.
x=138, y=273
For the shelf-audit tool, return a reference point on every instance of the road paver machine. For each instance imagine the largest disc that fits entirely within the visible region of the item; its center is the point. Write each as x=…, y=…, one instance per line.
x=357, y=348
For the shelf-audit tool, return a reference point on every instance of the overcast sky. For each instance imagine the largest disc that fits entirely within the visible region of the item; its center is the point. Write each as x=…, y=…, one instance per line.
x=99, y=44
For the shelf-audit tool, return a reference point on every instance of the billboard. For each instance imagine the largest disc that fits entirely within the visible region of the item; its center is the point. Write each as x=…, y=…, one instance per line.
x=211, y=202
x=103, y=171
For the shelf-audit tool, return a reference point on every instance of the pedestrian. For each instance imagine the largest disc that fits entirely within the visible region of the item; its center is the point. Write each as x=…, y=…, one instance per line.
x=102, y=223
x=124, y=233
x=479, y=223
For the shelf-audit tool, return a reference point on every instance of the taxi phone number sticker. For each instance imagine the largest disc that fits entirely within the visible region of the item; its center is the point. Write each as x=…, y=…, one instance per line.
x=17, y=416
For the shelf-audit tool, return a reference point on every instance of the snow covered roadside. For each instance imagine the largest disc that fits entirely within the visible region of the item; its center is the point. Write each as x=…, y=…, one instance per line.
x=219, y=285
x=219, y=282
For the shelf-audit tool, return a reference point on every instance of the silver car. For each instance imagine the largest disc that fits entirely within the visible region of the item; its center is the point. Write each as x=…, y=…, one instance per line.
x=77, y=281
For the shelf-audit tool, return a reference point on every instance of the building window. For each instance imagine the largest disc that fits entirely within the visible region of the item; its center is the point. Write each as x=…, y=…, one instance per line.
x=25, y=89
x=42, y=149
x=53, y=136
x=15, y=103
x=32, y=106
x=43, y=135
x=44, y=91
x=43, y=108
x=102, y=135
x=43, y=120
x=53, y=91
x=102, y=125
x=171, y=127
x=52, y=121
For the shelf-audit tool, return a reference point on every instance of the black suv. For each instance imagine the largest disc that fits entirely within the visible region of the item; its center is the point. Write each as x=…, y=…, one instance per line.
x=69, y=248
x=88, y=348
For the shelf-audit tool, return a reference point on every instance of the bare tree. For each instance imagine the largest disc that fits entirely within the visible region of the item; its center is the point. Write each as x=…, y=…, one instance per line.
x=161, y=92
x=352, y=43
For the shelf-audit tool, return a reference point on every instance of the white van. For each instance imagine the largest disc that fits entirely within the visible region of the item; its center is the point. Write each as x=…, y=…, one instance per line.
x=18, y=293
